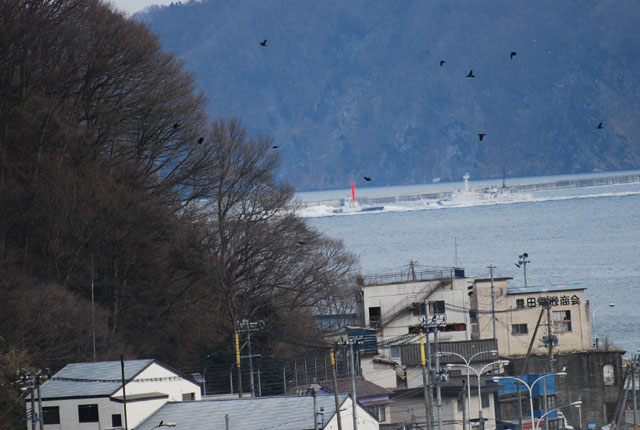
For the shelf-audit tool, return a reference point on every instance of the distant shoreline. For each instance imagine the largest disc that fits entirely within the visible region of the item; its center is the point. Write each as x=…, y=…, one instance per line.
x=627, y=178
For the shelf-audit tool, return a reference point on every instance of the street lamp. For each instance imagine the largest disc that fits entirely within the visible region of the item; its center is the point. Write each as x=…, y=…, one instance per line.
x=467, y=362
x=530, y=389
x=522, y=261
x=593, y=322
x=482, y=371
x=580, y=414
x=577, y=403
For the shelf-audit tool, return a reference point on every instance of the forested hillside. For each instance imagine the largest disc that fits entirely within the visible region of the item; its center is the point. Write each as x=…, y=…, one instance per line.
x=131, y=223
x=352, y=89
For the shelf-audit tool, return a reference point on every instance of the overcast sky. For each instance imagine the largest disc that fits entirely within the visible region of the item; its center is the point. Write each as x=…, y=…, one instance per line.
x=132, y=6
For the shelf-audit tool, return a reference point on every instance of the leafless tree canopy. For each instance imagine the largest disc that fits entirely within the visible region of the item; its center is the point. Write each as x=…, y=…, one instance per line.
x=114, y=182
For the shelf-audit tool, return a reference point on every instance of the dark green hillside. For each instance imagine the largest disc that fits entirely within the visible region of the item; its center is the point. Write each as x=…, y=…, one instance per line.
x=355, y=88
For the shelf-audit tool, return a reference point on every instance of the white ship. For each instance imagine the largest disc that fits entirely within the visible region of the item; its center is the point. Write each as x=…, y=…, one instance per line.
x=485, y=196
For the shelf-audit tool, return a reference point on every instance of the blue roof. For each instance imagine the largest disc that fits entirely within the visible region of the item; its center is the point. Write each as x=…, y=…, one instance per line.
x=91, y=379
x=545, y=288
x=277, y=413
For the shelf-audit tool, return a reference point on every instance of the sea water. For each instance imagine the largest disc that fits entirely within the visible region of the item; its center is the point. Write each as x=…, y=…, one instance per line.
x=589, y=236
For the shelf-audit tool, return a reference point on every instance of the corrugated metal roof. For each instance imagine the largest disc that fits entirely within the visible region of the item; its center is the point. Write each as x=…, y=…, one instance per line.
x=545, y=288
x=277, y=413
x=91, y=379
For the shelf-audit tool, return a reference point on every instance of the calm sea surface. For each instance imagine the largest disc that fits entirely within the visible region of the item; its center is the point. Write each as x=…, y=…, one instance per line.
x=585, y=235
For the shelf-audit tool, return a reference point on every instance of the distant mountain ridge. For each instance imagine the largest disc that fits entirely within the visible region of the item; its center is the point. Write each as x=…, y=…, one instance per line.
x=354, y=89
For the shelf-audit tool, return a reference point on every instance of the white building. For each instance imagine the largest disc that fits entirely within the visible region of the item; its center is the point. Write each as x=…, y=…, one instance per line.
x=393, y=304
x=89, y=396
x=522, y=311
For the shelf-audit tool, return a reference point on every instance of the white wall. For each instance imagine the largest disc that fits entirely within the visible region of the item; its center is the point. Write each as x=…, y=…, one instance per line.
x=365, y=420
x=453, y=292
x=381, y=374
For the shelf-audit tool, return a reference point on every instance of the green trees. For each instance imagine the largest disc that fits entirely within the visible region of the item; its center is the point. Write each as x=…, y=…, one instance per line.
x=115, y=184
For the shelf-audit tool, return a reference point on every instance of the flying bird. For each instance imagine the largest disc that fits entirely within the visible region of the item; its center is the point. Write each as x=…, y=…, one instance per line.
x=275, y=146
x=513, y=54
x=201, y=140
x=481, y=136
x=264, y=42
x=599, y=126
x=471, y=75
x=367, y=178
x=442, y=62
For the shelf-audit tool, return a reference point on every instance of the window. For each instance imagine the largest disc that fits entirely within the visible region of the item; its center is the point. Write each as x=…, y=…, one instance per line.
x=418, y=308
x=562, y=320
x=51, y=415
x=379, y=412
x=188, y=396
x=485, y=401
x=395, y=352
x=88, y=413
x=519, y=329
x=116, y=420
x=608, y=374
x=374, y=317
x=437, y=307
x=473, y=317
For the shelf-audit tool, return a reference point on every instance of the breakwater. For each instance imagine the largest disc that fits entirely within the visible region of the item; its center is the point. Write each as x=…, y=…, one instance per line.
x=444, y=195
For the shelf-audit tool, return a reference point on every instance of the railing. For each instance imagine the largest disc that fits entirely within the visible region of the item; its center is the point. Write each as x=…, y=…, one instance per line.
x=408, y=276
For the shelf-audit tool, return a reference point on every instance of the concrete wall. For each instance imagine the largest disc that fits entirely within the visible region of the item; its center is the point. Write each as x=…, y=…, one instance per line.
x=508, y=314
x=396, y=296
x=585, y=381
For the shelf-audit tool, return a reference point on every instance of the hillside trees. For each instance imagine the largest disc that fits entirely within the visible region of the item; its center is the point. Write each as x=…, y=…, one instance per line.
x=115, y=185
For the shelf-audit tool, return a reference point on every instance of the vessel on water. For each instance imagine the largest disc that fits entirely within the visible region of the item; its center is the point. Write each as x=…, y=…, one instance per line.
x=491, y=195
x=350, y=204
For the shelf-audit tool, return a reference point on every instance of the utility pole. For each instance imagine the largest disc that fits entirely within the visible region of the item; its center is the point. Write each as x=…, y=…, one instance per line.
x=124, y=392
x=493, y=301
x=634, y=363
x=32, y=381
x=238, y=360
x=550, y=343
x=351, y=341
x=433, y=324
x=335, y=389
x=248, y=327
x=425, y=385
x=438, y=378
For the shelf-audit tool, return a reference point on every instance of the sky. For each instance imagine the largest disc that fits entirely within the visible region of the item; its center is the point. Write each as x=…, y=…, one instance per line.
x=133, y=6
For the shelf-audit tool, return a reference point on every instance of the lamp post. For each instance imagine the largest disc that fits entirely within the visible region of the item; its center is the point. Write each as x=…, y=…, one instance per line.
x=593, y=322
x=522, y=261
x=580, y=415
x=530, y=389
x=467, y=362
x=577, y=403
x=479, y=373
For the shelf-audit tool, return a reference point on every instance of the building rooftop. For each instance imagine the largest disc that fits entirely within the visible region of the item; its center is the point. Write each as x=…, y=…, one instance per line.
x=545, y=288
x=364, y=388
x=283, y=413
